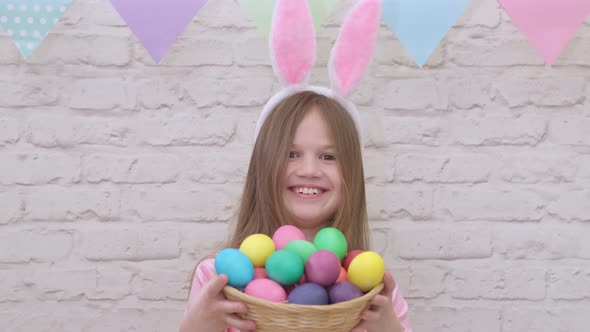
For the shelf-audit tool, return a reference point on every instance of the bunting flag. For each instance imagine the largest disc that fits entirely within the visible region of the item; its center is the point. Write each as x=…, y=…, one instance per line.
x=420, y=25
x=157, y=23
x=28, y=22
x=548, y=24
x=261, y=12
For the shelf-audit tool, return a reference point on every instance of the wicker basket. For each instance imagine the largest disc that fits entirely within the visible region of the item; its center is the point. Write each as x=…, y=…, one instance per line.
x=284, y=317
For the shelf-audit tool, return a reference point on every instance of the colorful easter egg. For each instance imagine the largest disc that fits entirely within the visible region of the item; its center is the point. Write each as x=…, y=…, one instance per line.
x=322, y=267
x=260, y=273
x=309, y=294
x=303, y=279
x=286, y=234
x=343, y=276
x=344, y=291
x=366, y=270
x=302, y=248
x=266, y=289
x=236, y=266
x=258, y=248
x=288, y=289
x=284, y=267
x=349, y=257
x=332, y=239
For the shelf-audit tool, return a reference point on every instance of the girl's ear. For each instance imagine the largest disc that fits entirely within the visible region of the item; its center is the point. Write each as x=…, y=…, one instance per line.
x=353, y=50
x=292, y=41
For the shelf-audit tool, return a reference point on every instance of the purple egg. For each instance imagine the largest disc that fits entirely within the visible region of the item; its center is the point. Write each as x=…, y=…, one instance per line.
x=344, y=291
x=309, y=294
x=322, y=267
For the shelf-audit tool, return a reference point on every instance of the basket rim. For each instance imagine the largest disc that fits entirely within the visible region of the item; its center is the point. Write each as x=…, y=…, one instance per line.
x=268, y=304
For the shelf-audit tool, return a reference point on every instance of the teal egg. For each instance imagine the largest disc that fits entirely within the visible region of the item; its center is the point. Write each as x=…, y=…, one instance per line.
x=236, y=266
x=284, y=267
x=302, y=248
x=332, y=239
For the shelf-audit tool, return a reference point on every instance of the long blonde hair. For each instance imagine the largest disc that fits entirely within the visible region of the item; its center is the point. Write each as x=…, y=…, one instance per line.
x=261, y=208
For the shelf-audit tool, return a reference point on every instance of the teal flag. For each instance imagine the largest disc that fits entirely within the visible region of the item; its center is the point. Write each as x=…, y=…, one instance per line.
x=28, y=22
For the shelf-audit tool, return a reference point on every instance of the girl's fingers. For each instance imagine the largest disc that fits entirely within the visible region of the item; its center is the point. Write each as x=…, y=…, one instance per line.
x=371, y=315
x=388, y=284
x=374, y=310
x=232, y=307
x=215, y=286
x=380, y=301
x=359, y=328
x=240, y=324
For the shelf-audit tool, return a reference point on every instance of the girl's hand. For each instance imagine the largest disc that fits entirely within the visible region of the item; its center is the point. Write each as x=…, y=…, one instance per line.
x=210, y=311
x=379, y=317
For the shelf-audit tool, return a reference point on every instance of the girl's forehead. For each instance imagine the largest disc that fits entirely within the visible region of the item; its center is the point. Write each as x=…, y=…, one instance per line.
x=328, y=146
x=313, y=131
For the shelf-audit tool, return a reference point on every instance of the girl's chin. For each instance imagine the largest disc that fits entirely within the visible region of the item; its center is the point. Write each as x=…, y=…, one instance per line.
x=310, y=221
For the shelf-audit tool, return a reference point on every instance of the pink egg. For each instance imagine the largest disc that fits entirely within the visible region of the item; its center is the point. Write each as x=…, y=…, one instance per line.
x=260, y=273
x=266, y=289
x=286, y=234
x=322, y=267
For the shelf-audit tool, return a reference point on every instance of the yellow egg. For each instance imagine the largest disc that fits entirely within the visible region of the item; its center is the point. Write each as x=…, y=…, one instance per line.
x=258, y=248
x=366, y=270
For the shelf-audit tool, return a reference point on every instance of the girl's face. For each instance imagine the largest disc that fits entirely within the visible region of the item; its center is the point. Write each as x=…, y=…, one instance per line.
x=313, y=190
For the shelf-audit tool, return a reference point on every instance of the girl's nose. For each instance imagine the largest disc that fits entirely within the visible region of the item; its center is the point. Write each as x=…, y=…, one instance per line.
x=308, y=166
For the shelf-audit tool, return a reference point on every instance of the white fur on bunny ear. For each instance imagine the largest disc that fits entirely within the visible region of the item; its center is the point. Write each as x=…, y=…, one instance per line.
x=292, y=41
x=354, y=47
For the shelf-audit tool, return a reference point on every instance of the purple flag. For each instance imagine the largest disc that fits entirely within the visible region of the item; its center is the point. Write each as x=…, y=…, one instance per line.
x=157, y=23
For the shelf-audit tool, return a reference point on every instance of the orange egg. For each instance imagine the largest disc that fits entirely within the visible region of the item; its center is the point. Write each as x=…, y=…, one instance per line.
x=343, y=275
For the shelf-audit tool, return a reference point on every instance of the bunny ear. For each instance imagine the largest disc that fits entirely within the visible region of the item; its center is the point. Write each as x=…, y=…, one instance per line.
x=292, y=41
x=354, y=47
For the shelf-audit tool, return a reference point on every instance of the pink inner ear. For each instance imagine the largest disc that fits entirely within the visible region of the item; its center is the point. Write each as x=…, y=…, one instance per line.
x=293, y=44
x=353, y=50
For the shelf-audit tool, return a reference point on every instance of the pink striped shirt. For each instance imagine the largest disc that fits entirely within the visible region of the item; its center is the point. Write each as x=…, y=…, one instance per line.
x=206, y=271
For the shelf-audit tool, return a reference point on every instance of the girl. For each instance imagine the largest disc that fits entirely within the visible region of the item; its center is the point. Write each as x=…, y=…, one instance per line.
x=307, y=142
x=306, y=166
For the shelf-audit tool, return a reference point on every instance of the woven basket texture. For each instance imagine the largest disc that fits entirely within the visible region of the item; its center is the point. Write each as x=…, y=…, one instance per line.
x=285, y=317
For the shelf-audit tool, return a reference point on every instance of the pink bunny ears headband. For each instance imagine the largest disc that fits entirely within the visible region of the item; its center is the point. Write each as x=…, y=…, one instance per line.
x=293, y=51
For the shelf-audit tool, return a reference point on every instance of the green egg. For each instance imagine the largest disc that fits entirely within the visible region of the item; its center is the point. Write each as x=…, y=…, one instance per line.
x=284, y=267
x=302, y=248
x=332, y=239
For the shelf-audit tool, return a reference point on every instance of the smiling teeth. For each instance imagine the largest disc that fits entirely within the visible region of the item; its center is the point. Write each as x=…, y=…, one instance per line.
x=308, y=191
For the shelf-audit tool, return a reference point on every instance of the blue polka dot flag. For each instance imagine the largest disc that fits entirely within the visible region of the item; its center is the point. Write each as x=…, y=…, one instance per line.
x=28, y=22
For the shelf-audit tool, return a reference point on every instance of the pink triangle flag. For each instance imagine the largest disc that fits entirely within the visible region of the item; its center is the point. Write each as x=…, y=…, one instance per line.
x=548, y=24
x=157, y=23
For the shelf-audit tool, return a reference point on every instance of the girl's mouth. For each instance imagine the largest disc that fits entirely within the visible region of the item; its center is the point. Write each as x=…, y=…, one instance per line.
x=307, y=191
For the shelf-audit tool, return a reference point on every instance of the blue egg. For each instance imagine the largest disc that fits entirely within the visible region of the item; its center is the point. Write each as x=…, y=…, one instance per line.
x=310, y=294
x=236, y=266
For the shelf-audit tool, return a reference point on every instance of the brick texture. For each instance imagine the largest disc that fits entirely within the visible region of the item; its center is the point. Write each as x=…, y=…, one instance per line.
x=117, y=175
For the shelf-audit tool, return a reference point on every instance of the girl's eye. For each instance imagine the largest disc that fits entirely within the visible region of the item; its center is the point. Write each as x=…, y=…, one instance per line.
x=328, y=157
x=293, y=154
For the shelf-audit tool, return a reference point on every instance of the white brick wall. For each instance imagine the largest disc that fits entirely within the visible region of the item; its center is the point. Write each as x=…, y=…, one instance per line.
x=118, y=175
